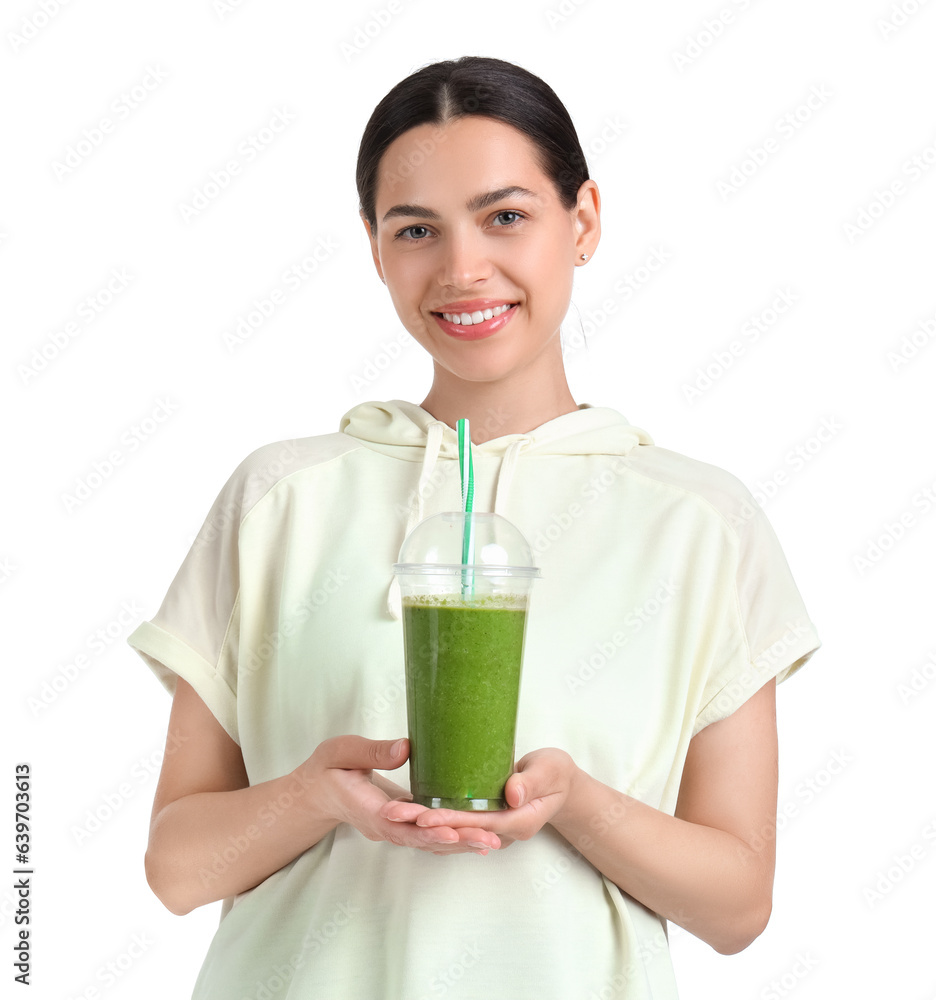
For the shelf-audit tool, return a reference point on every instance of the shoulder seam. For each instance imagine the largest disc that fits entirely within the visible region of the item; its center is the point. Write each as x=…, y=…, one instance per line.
x=282, y=479
x=692, y=493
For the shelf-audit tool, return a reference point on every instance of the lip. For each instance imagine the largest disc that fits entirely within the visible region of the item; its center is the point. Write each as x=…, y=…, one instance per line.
x=476, y=331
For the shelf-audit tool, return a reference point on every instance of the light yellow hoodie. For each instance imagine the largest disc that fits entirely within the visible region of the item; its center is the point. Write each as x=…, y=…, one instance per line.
x=665, y=602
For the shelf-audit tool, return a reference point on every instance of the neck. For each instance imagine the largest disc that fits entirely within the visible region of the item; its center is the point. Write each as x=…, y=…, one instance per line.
x=516, y=404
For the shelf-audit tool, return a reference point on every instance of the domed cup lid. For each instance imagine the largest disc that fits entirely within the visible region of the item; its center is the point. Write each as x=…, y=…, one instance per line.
x=435, y=547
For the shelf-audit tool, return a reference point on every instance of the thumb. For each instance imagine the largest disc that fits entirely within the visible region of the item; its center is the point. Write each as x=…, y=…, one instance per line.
x=532, y=778
x=516, y=791
x=357, y=752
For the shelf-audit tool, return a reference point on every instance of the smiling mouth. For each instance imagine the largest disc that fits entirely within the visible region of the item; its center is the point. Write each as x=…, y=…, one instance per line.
x=473, y=318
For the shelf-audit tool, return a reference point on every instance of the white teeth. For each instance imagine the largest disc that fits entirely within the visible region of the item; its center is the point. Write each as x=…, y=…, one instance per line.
x=469, y=319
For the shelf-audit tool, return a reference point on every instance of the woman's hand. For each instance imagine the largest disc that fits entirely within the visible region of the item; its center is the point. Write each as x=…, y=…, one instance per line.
x=213, y=835
x=340, y=782
x=535, y=793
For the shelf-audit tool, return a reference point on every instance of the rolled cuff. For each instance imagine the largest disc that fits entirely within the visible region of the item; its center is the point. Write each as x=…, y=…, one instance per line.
x=795, y=647
x=170, y=658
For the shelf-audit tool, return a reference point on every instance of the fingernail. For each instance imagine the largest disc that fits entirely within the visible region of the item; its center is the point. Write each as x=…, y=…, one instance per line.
x=396, y=749
x=482, y=846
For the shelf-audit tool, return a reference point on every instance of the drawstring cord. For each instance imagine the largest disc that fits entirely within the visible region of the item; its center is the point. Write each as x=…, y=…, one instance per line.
x=435, y=433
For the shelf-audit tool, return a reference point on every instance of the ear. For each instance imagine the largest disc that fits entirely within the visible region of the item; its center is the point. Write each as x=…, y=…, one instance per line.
x=587, y=220
x=373, y=243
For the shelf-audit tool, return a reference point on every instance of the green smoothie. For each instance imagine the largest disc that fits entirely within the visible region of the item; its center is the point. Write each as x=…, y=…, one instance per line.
x=463, y=658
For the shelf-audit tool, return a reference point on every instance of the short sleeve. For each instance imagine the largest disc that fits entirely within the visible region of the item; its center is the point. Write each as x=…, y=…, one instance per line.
x=768, y=632
x=194, y=633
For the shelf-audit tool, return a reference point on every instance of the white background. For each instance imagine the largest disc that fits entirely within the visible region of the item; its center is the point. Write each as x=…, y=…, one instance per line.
x=857, y=741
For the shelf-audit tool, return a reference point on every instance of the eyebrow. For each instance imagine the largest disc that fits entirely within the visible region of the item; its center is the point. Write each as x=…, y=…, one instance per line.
x=474, y=204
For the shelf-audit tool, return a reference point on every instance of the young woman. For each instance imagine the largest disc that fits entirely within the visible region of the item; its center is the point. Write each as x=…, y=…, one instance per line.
x=647, y=787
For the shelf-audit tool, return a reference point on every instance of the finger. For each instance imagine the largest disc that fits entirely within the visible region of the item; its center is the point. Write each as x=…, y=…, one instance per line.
x=538, y=774
x=357, y=752
x=515, y=792
x=458, y=817
x=402, y=812
x=475, y=837
x=443, y=835
x=462, y=838
x=484, y=840
x=472, y=835
x=463, y=823
x=458, y=849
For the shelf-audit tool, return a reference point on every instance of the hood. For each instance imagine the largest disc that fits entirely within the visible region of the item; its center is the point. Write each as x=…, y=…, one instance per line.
x=409, y=433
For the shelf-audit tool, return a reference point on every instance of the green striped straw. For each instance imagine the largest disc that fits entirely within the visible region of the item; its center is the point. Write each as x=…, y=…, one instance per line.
x=467, y=492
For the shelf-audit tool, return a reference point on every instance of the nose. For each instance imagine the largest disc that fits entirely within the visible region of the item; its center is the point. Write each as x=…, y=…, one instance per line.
x=465, y=259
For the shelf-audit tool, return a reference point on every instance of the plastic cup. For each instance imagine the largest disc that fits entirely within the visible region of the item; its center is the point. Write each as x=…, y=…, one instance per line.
x=463, y=630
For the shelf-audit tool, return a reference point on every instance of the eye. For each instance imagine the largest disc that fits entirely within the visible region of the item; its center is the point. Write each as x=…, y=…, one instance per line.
x=401, y=235
x=509, y=211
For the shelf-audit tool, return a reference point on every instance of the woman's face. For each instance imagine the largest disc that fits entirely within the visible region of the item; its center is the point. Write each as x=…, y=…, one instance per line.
x=467, y=222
